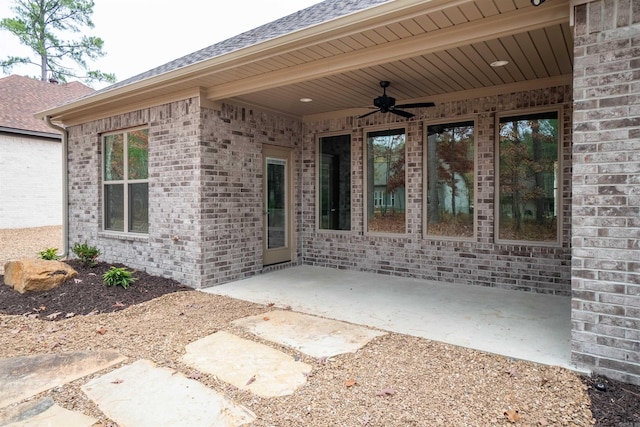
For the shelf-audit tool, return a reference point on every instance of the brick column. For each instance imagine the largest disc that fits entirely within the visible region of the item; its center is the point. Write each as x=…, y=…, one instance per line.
x=606, y=189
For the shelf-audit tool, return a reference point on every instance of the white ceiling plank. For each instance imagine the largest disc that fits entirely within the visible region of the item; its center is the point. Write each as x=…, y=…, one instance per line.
x=455, y=15
x=472, y=32
x=400, y=31
x=471, y=11
x=469, y=59
x=525, y=42
x=519, y=65
x=435, y=84
x=505, y=5
x=441, y=19
x=543, y=46
x=412, y=27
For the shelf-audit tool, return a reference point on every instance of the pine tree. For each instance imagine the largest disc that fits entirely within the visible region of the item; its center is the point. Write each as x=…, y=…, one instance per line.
x=39, y=24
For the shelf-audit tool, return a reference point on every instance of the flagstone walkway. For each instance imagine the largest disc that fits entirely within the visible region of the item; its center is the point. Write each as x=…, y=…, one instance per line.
x=168, y=397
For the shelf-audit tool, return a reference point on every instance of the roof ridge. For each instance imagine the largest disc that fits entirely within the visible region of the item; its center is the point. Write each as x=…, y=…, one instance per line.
x=313, y=15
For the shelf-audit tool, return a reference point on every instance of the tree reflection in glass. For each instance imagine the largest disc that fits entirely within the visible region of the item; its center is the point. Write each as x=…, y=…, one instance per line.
x=386, y=196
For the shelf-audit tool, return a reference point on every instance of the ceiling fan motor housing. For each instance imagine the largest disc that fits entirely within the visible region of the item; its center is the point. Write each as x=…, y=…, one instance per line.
x=384, y=103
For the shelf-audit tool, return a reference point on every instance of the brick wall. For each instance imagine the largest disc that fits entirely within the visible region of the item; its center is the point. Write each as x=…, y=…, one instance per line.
x=30, y=181
x=172, y=247
x=536, y=268
x=232, y=168
x=606, y=182
x=205, y=187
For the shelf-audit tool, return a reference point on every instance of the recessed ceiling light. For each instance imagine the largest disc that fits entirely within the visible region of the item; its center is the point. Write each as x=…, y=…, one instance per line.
x=306, y=99
x=499, y=63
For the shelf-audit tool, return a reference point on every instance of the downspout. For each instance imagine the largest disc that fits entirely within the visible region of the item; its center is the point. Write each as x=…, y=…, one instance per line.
x=65, y=186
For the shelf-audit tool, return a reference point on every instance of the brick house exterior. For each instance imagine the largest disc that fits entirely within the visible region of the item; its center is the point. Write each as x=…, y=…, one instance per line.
x=207, y=141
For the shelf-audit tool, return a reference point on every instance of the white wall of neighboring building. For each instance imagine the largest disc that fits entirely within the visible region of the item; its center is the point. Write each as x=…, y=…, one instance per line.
x=30, y=182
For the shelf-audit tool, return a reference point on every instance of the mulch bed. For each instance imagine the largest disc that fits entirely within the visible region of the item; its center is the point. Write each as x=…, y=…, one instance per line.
x=613, y=403
x=86, y=294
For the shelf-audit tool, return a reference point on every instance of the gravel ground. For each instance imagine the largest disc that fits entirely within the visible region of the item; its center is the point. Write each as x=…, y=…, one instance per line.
x=398, y=380
x=27, y=242
x=395, y=380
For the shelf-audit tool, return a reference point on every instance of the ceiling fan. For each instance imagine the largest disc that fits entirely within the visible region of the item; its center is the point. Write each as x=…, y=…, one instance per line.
x=387, y=104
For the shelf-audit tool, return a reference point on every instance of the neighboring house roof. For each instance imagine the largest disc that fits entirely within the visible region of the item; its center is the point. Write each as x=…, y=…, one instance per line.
x=22, y=97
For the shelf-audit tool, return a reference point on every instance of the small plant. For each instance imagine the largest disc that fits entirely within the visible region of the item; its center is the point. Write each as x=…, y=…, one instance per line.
x=119, y=276
x=87, y=254
x=50, y=254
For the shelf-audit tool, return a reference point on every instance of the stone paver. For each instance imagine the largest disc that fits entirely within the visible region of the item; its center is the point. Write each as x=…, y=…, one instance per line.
x=26, y=376
x=246, y=364
x=144, y=395
x=312, y=335
x=43, y=412
x=167, y=397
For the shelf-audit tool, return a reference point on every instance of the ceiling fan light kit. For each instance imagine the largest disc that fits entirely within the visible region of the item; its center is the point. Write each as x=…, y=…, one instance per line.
x=387, y=104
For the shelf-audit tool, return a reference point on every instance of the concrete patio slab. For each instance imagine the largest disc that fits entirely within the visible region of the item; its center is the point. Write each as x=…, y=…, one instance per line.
x=43, y=412
x=246, y=364
x=144, y=395
x=515, y=324
x=312, y=335
x=26, y=376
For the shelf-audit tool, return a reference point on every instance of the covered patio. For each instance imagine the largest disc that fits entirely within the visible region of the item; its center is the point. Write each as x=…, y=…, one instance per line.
x=520, y=325
x=500, y=158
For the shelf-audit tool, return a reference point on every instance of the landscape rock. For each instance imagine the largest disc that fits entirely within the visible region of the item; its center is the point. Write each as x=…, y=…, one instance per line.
x=32, y=275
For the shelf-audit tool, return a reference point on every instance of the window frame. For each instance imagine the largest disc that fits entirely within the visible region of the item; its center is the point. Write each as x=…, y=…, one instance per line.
x=365, y=182
x=559, y=184
x=425, y=207
x=318, y=158
x=125, y=182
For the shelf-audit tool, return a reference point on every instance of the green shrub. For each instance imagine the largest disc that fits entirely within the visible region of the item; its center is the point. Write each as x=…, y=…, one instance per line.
x=50, y=254
x=87, y=254
x=118, y=276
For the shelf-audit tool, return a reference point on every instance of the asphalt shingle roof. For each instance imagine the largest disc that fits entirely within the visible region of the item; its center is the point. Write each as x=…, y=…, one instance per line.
x=313, y=15
x=22, y=97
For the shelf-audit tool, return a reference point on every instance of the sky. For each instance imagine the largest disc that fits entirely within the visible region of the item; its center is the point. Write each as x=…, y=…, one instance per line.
x=142, y=34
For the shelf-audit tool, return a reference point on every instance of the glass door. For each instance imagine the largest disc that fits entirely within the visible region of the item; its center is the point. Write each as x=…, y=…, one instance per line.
x=277, y=232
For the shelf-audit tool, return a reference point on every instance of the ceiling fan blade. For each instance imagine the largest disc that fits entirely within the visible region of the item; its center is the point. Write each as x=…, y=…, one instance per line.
x=405, y=114
x=368, y=114
x=416, y=105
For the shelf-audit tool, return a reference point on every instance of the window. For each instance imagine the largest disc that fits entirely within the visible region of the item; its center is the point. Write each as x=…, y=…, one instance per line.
x=528, y=175
x=385, y=172
x=378, y=198
x=334, y=182
x=450, y=177
x=126, y=183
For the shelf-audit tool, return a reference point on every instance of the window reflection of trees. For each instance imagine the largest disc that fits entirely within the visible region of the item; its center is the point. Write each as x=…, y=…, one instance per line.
x=138, y=156
x=386, y=202
x=528, y=177
x=450, y=179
